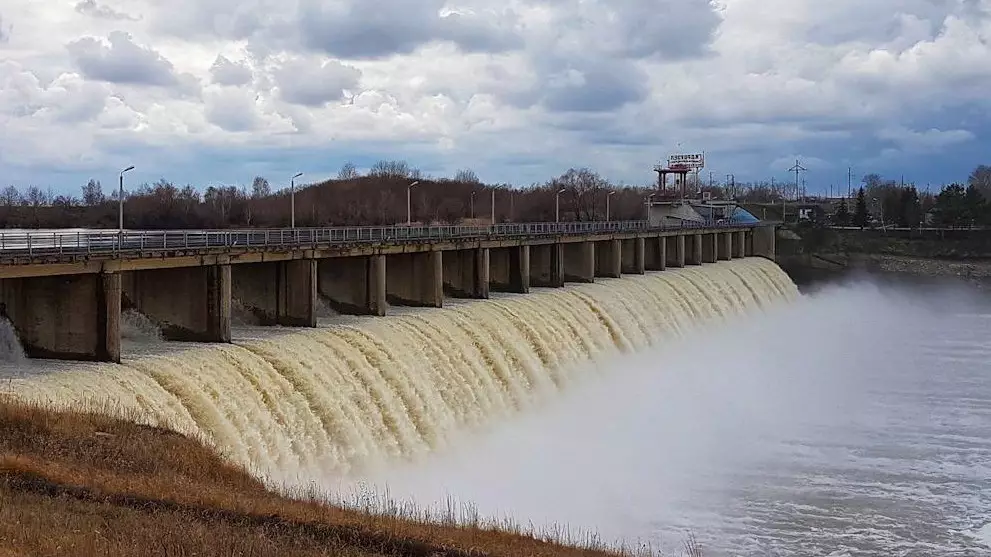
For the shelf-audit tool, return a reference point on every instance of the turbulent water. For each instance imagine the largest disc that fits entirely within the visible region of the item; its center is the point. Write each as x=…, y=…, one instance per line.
x=309, y=405
x=855, y=421
x=715, y=399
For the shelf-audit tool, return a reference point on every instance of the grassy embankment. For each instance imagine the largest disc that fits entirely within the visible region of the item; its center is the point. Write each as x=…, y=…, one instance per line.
x=83, y=484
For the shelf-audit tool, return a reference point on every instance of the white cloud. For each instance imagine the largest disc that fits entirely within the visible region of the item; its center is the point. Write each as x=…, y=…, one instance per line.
x=519, y=89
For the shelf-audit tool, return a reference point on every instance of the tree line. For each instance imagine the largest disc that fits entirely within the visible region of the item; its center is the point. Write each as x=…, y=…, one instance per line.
x=377, y=197
x=886, y=202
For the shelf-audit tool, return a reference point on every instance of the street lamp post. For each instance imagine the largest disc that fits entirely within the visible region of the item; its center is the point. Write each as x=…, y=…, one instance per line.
x=472, y=203
x=493, y=207
x=608, y=197
x=409, y=212
x=557, y=205
x=292, y=200
x=647, y=206
x=120, y=201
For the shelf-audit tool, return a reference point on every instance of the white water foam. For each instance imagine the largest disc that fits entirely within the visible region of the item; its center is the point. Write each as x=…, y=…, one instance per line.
x=315, y=405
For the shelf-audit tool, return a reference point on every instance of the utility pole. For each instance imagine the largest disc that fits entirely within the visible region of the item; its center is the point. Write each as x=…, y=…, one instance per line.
x=493, y=207
x=796, y=169
x=849, y=181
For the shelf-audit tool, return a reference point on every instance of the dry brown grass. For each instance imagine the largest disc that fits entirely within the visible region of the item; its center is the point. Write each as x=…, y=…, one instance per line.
x=84, y=484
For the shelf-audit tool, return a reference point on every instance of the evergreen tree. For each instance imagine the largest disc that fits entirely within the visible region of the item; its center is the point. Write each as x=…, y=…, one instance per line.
x=976, y=206
x=951, y=206
x=861, y=217
x=842, y=215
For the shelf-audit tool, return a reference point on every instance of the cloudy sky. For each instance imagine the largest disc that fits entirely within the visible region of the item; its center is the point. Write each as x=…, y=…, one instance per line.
x=207, y=91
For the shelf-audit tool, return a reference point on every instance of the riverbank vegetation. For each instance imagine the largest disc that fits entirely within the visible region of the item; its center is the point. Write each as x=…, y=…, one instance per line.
x=82, y=484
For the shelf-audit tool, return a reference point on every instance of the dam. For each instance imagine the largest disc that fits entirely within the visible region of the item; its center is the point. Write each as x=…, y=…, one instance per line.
x=64, y=292
x=301, y=405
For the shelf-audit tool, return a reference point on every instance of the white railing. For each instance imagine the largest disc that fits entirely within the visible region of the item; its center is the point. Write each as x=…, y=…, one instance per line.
x=102, y=242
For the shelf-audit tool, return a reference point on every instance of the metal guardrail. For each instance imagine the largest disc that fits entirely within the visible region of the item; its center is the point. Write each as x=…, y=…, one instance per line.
x=112, y=242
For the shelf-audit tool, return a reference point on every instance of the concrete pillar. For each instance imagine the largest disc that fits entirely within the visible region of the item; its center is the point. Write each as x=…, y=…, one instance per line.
x=70, y=317
x=547, y=265
x=695, y=254
x=609, y=259
x=189, y=303
x=710, y=247
x=655, y=256
x=353, y=285
x=466, y=273
x=633, y=256
x=415, y=279
x=509, y=269
x=764, y=242
x=579, y=262
x=724, y=246
x=280, y=292
x=740, y=244
x=676, y=251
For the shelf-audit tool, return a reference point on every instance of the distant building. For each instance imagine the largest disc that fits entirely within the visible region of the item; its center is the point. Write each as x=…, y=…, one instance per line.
x=676, y=213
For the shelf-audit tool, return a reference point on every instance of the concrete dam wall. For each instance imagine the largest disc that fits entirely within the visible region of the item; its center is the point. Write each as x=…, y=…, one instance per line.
x=307, y=404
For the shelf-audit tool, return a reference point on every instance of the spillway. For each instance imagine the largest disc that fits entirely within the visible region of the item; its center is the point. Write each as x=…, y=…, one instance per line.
x=300, y=405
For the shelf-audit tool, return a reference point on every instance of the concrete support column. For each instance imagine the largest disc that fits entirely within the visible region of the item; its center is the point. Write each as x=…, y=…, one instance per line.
x=710, y=247
x=218, y=295
x=633, y=256
x=764, y=242
x=280, y=292
x=415, y=279
x=695, y=254
x=725, y=245
x=353, y=285
x=655, y=254
x=108, y=319
x=547, y=265
x=71, y=317
x=609, y=259
x=740, y=244
x=509, y=269
x=675, y=251
x=466, y=273
x=189, y=303
x=579, y=262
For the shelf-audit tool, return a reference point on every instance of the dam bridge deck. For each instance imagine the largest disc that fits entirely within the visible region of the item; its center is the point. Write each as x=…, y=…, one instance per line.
x=63, y=291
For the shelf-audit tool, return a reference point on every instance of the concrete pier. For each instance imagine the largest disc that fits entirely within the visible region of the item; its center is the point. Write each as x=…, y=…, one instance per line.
x=675, y=247
x=740, y=244
x=353, y=285
x=415, y=279
x=509, y=269
x=710, y=247
x=694, y=256
x=724, y=247
x=633, y=255
x=278, y=293
x=655, y=256
x=579, y=262
x=188, y=303
x=609, y=259
x=763, y=242
x=75, y=317
x=547, y=265
x=466, y=273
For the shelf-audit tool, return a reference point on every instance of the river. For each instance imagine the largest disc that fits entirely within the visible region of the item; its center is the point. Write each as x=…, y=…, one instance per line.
x=714, y=400
x=856, y=421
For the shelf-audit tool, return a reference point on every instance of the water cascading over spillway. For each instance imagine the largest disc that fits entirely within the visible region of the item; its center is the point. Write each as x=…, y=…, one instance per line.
x=298, y=405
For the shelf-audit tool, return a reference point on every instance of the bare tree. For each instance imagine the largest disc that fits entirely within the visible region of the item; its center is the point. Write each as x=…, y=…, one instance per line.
x=348, y=172
x=93, y=193
x=260, y=188
x=10, y=196
x=467, y=176
x=391, y=169
x=585, y=188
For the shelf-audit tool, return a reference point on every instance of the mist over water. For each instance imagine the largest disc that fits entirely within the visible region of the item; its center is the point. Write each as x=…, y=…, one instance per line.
x=855, y=421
